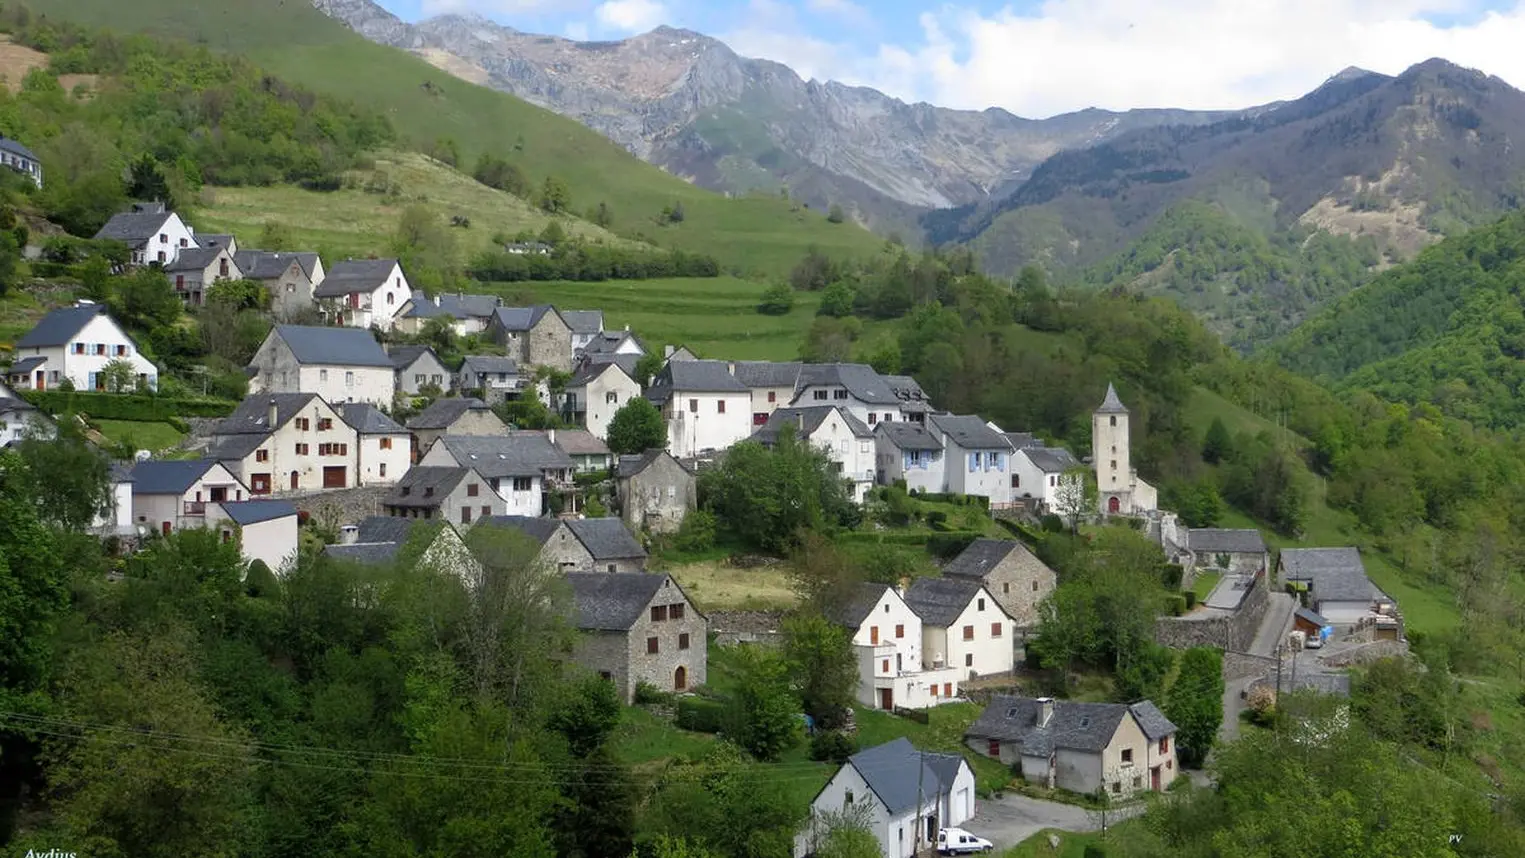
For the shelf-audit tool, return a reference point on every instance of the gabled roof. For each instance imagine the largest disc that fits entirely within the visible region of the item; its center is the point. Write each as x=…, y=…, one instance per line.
x=367, y=419
x=60, y=326
x=1111, y=404
x=628, y=466
x=425, y=486
x=968, y=431
x=252, y=416
x=1221, y=541
x=385, y=528
x=539, y=529
x=861, y=381
x=626, y=362
x=442, y=413
x=1050, y=460
x=613, y=601
x=908, y=436
x=1072, y=726
x=856, y=609
x=26, y=365
x=698, y=376
x=805, y=421
x=607, y=342
x=15, y=148
x=216, y=239
x=939, y=601
x=767, y=373
x=168, y=476
x=250, y=512
x=905, y=388
x=590, y=370
x=196, y=259
x=520, y=319
x=325, y=346
x=982, y=556
x=490, y=364
x=1022, y=440
x=584, y=321
x=133, y=227
x=267, y=265
x=1333, y=574
x=517, y=454
x=405, y=356
x=354, y=275
x=1311, y=616
x=456, y=306
x=899, y=774
x=10, y=405
x=365, y=553
x=580, y=442
x=606, y=538
x=235, y=448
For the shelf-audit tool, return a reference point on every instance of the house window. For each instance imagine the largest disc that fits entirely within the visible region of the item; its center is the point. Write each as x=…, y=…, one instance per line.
x=720, y=407
x=382, y=469
x=325, y=424
x=872, y=418
x=947, y=689
x=968, y=633
x=981, y=605
x=658, y=613
x=1117, y=787
x=302, y=449
x=322, y=375
x=180, y=282
x=386, y=443
x=772, y=396
x=839, y=394
x=121, y=351
x=968, y=659
x=1005, y=588
x=683, y=641
x=391, y=298
x=1138, y=781
x=1114, y=464
x=1165, y=745
x=79, y=348
x=522, y=484
x=302, y=424
x=693, y=406
x=1016, y=481
x=611, y=398
x=471, y=490
x=848, y=799
x=996, y=630
x=652, y=646
x=994, y=748
x=465, y=515
x=1035, y=586
x=899, y=630
x=222, y=268
x=1127, y=756
x=163, y=238
x=349, y=379
x=884, y=666
x=675, y=611
x=1113, y=418
x=819, y=395
x=261, y=455
x=873, y=634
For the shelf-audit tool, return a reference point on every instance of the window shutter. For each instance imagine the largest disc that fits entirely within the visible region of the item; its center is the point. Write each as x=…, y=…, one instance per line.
x=974, y=462
x=1000, y=463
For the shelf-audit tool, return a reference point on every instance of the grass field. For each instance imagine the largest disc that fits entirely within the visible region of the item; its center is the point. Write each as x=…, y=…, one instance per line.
x=143, y=436
x=424, y=104
x=714, y=586
x=19, y=311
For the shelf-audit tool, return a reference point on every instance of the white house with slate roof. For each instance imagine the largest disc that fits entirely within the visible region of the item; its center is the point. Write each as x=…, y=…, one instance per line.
x=152, y=234
x=892, y=667
x=1119, y=489
x=265, y=530
x=1082, y=747
x=855, y=386
x=76, y=343
x=173, y=494
x=417, y=367
x=196, y=269
x=287, y=442
x=384, y=449
x=21, y=159
x=914, y=405
x=1338, y=588
x=907, y=451
x=363, y=293
x=772, y=385
x=585, y=326
x=963, y=626
x=338, y=364
x=615, y=343
x=706, y=409
x=909, y=794
x=379, y=540
x=466, y=314
x=638, y=628
x=1040, y=472
x=846, y=440
x=519, y=466
x=977, y=458
x=596, y=392
x=459, y=496
x=19, y=419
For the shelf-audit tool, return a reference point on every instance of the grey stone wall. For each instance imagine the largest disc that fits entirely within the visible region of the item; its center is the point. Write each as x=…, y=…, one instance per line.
x=734, y=627
x=549, y=343
x=658, y=668
x=1011, y=584
x=1243, y=665
x=607, y=652
x=1233, y=632
x=645, y=501
x=341, y=506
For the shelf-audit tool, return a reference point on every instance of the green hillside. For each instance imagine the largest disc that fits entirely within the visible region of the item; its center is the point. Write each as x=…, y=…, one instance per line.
x=763, y=234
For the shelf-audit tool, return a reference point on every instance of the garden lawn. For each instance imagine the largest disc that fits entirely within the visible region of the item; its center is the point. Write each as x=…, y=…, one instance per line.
x=141, y=435
x=714, y=586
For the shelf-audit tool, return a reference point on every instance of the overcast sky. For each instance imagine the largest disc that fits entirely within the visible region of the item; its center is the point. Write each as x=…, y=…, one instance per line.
x=1041, y=58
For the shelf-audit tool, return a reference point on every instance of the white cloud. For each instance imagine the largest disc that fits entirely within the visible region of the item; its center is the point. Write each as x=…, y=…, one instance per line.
x=577, y=31
x=630, y=16
x=1069, y=54
x=844, y=10
x=484, y=7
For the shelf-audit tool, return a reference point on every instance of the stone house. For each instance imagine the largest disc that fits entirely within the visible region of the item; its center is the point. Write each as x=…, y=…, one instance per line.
x=772, y=384
x=962, y=626
x=76, y=343
x=1338, y=587
x=887, y=640
x=455, y=416
x=288, y=277
x=384, y=451
x=560, y=550
x=338, y=364
x=846, y=440
x=173, y=494
x=976, y=457
x=655, y=491
x=609, y=543
x=287, y=442
x=854, y=386
x=194, y=270
x=1081, y=747
x=638, y=628
x=596, y=392
x=455, y=495
x=588, y=452
x=534, y=336
x=522, y=468
x=1013, y=575
x=1239, y=551
x=706, y=409
x=152, y=234
x=907, y=451
x=363, y=293
x=417, y=367
x=265, y=530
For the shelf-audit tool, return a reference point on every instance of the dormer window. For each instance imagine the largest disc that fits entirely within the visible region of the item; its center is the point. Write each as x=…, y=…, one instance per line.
x=429, y=492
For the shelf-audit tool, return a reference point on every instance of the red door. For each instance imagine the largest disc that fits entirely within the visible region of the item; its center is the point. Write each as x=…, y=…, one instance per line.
x=1154, y=778
x=333, y=476
x=294, y=478
x=42, y=381
x=167, y=527
x=886, y=699
x=1114, y=505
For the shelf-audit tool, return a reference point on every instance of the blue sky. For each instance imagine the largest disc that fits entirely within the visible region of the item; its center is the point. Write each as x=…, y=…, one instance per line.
x=1040, y=57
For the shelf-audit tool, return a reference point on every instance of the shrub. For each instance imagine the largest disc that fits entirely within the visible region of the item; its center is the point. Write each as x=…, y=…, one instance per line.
x=832, y=746
x=697, y=533
x=1175, y=604
x=116, y=406
x=1191, y=599
x=937, y=517
x=946, y=545
x=701, y=715
x=647, y=694
x=1095, y=850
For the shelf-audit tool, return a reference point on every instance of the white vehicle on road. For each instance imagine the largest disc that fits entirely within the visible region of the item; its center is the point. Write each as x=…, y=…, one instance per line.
x=957, y=841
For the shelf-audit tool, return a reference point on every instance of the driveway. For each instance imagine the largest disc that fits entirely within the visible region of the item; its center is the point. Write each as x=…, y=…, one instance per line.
x=1011, y=819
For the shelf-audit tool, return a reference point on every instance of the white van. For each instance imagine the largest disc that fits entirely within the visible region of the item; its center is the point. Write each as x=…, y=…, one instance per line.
x=957, y=841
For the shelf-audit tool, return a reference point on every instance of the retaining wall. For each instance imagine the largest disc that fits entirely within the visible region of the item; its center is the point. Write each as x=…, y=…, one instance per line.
x=1230, y=632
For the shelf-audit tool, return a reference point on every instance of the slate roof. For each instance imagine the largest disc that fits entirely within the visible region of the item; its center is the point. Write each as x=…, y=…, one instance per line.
x=133, y=227
x=442, y=413
x=234, y=448
x=865, y=596
x=490, y=364
x=806, y=421
x=612, y=601
x=698, y=376
x=908, y=436
x=365, y=553
x=521, y=319
x=255, y=511
x=588, y=371
x=265, y=264
x=404, y=356
x=584, y=321
x=939, y=601
x=168, y=476
x=861, y=381
x=26, y=365
x=899, y=774
x=517, y=454
x=456, y=306
x=7, y=405
x=629, y=466
x=16, y=148
x=539, y=529
x=1051, y=460
x=385, y=528
x=1333, y=574
x=1073, y=726
x=1111, y=404
x=216, y=239
x=367, y=419
x=1022, y=440
x=608, y=341
x=628, y=363
x=1221, y=541
x=196, y=259
x=905, y=388
x=414, y=489
x=580, y=442
x=767, y=373
x=606, y=538
x=968, y=431
x=60, y=326
x=354, y=275
x=325, y=346
x=252, y=416
x=981, y=557
x=1311, y=616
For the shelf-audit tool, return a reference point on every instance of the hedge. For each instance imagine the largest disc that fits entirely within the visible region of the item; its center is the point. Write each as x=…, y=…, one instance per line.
x=127, y=406
x=700, y=715
x=941, y=544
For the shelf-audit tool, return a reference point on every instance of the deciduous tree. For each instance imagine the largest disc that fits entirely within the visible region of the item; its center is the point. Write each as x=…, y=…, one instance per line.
x=636, y=428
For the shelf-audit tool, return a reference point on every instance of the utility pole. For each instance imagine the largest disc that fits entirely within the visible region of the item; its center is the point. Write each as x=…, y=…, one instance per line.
x=921, y=767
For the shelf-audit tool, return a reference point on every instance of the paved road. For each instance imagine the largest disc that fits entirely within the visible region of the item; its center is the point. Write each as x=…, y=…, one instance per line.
x=1011, y=819
x=1273, y=629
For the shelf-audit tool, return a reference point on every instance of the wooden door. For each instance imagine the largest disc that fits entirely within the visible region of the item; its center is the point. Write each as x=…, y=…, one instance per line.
x=1154, y=778
x=334, y=476
x=295, y=480
x=886, y=699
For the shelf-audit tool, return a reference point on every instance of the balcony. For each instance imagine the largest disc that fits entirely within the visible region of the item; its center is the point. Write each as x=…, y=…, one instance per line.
x=193, y=508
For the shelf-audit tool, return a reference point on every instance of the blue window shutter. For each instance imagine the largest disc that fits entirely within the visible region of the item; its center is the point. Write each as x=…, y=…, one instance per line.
x=1000, y=463
x=974, y=462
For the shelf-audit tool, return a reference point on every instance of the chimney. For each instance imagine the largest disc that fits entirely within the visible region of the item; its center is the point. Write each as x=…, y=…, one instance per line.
x=731, y=367
x=1045, y=710
x=349, y=534
x=667, y=352
x=627, y=328
x=550, y=435
x=801, y=418
x=273, y=413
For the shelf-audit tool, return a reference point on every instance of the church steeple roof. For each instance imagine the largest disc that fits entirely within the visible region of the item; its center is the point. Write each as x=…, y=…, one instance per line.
x=1111, y=405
